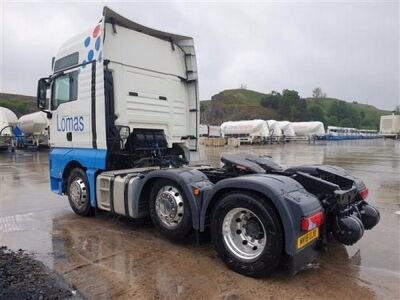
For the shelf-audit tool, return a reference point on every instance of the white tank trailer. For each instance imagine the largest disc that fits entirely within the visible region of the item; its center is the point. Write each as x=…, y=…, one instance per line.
x=7, y=121
x=35, y=128
x=287, y=128
x=315, y=128
x=250, y=131
x=275, y=132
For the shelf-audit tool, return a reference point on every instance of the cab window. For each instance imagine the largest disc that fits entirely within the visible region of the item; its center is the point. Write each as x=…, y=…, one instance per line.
x=65, y=89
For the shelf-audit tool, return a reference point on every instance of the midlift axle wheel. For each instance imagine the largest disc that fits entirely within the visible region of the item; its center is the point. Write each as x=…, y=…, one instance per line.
x=169, y=210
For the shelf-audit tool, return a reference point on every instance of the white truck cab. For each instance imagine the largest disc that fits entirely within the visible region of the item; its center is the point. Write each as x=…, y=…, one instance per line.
x=120, y=88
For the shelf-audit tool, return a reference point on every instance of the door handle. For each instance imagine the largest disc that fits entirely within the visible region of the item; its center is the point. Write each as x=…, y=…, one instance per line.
x=69, y=136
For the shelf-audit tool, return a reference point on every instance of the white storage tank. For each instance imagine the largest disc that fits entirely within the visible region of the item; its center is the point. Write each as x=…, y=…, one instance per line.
x=287, y=128
x=250, y=127
x=248, y=131
x=308, y=128
x=7, y=118
x=34, y=123
x=274, y=129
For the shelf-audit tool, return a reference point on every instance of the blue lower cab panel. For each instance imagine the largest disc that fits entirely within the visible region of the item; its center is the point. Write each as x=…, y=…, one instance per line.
x=91, y=159
x=56, y=185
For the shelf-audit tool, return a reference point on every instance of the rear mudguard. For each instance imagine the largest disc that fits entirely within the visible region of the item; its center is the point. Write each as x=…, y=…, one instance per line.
x=290, y=199
x=315, y=170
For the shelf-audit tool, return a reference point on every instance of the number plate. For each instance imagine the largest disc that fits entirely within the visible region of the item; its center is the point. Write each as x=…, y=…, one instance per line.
x=307, y=238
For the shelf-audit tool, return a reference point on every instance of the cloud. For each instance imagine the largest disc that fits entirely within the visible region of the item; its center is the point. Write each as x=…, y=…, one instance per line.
x=350, y=50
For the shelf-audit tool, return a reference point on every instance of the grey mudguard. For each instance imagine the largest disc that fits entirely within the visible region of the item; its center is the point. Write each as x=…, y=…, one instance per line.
x=291, y=200
x=313, y=170
x=186, y=178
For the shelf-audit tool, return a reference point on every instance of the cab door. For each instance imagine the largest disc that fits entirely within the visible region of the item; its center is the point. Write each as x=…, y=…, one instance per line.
x=84, y=108
x=64, y=91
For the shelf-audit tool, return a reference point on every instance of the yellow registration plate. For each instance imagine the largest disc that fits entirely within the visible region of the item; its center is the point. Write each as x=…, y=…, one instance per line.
x=307, y=238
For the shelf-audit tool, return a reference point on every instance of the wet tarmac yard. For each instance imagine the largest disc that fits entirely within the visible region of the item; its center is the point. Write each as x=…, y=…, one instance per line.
x=111, y=257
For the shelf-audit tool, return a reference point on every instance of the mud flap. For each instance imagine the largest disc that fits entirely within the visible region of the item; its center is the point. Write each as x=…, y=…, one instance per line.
x=302, y=260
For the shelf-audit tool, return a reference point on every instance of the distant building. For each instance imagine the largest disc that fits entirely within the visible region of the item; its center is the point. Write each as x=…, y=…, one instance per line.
x=390, y=126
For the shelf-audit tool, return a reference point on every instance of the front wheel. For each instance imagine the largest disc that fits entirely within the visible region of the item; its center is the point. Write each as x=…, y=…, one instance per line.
x=78, y=193
x=247, y=234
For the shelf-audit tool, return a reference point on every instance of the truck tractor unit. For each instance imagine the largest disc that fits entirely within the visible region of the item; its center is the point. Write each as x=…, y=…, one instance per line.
x=123, y=107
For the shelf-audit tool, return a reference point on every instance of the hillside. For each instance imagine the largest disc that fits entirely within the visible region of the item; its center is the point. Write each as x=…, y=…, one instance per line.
x=234, y=105
x=19, y=104
x=239, y=104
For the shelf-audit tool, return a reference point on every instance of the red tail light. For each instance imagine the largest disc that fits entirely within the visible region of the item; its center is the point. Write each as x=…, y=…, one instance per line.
x=310, y=222
x=364, y=193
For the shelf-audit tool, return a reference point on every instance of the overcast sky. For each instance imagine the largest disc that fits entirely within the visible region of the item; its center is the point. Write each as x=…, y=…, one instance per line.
x=350, y=50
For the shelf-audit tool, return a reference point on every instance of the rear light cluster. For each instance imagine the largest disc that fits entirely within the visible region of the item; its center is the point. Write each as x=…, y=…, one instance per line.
x=310, y=222
x=364, y=193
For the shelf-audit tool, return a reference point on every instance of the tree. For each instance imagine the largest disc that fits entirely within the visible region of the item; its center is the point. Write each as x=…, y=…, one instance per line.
x=331, y=121
x=316, y=113
x=317, y=93
x=290, y=94
x=271, y=100
x=346, y=123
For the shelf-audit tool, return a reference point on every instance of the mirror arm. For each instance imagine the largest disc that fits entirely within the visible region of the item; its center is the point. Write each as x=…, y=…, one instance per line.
x=48, y=114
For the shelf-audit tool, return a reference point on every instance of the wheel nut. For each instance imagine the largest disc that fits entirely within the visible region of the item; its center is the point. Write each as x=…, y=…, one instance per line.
x=238, y=231
x=244, y=242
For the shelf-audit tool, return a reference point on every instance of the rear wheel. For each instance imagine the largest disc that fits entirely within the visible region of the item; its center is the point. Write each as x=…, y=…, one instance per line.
x=78, y=193
x=169, y=210
x=247, y=234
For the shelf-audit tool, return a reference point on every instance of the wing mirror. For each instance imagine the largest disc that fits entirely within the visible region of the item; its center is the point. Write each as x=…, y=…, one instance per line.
x=43, y=86
x=41, y=100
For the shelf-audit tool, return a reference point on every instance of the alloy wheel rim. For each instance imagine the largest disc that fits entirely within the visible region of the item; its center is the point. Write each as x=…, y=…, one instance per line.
x=169, y=206
x=244, y=234
x=77, y=192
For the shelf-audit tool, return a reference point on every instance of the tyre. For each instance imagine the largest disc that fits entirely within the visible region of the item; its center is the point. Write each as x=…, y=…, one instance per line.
x=78, y=193
x=169, y=210
x=247, y=234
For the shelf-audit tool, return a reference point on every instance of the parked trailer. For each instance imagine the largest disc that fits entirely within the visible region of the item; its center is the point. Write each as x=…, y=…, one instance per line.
x=345, y=133
x=369, y=134
x=121, y=146
x=308, y=131
x=250, y=131
x=308, y=128
x=8, y=120
x=275, y=132
x=35, y=129
x=390, y=126
x=287, y=129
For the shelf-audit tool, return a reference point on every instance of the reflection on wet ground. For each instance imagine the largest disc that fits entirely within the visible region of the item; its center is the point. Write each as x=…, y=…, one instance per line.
x=115, y=257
